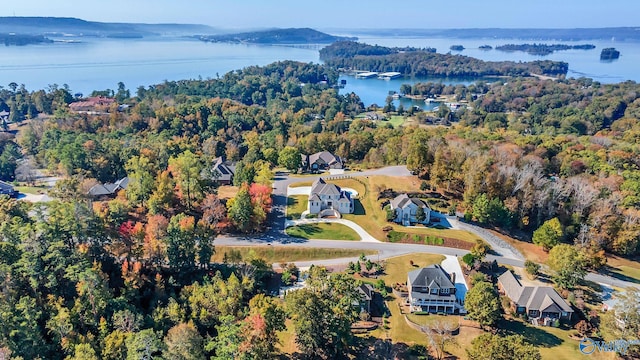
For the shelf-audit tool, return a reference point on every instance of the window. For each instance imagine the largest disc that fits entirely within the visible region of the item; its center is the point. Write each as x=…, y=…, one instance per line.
x=434, y=291
x=444, y=291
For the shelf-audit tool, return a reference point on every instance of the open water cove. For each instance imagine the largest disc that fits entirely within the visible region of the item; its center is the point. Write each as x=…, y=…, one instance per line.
x=98, y=64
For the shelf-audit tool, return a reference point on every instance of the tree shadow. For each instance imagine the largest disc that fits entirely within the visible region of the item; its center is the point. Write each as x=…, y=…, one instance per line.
x=535, y=335
x=616, y=273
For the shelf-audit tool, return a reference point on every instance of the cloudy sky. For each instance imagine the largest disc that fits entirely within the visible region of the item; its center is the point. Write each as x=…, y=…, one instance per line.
x=329, y=14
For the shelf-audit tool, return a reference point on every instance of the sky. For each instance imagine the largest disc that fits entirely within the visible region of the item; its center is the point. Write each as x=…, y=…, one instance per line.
x=335, y=14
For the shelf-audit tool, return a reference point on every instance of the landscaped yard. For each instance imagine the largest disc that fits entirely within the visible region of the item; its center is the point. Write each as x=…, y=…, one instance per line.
x=280, y=254
x=399, y=331
x=324, y=231
x=554, y=343
x=296, y=204
x=369, y=214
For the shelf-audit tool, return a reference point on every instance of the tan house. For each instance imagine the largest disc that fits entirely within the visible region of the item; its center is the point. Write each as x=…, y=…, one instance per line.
x=542, y=304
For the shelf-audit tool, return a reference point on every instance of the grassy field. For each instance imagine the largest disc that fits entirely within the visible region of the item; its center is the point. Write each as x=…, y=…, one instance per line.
x=279, y=254
x=396, y=268
x=553, y=343
x=324, y=231
x=624, y=269
x=35, y=190
x=396, y=121
x=296, y=204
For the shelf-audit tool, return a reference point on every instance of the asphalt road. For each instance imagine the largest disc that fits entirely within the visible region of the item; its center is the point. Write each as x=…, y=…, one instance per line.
x=275, y=234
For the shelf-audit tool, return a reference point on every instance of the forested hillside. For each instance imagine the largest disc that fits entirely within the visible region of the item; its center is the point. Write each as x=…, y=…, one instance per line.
x=425, y=62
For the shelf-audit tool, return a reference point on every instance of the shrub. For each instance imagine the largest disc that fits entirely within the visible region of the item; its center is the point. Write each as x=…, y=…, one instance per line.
x=531, y=268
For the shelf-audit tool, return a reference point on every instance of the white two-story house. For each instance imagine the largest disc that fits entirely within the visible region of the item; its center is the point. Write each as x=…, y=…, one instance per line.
x=406, y=209
x=325, y=196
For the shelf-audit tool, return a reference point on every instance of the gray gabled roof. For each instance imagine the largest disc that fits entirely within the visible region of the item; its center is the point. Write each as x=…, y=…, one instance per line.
x=320, y=187
x=109, y=188
x=6, y=188
x=541, y=298
x=433, y=275
x=366, y=291
x=402, y=201
x=326, y=157
x=511, y=286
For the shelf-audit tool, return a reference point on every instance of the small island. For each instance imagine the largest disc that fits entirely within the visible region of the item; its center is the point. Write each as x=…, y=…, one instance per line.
x=609, y=54
x=486, y=47
x=456, y=47
x=277, y=36
x=23, y=39
x=543, y=49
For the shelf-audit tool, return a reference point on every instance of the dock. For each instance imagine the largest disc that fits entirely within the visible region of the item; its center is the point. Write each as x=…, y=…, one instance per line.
x=389, y=75
x=366, y=75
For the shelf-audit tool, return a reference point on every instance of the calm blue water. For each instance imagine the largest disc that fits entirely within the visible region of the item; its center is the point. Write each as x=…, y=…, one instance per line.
x=98, y=64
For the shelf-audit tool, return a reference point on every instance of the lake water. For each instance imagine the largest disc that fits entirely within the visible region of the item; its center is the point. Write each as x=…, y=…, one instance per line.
x=98, y=64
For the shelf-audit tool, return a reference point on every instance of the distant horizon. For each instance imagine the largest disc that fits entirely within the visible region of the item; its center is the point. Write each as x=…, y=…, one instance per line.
x=321, y=28
x=328, y=14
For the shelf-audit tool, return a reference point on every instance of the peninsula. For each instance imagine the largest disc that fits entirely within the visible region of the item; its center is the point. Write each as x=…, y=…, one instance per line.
x=277, y=36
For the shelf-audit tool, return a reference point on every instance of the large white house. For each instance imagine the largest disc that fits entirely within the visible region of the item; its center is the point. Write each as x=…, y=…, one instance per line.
x=406, y=209
x=325, y=196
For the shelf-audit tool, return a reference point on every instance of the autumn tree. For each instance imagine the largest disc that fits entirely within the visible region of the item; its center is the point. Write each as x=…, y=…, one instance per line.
x=290, y=158
x=548, y=234
x=183, y=342
x=567, y=265
x=496, y=347
x=241, y=211
x=482, y=303
x=186, y=169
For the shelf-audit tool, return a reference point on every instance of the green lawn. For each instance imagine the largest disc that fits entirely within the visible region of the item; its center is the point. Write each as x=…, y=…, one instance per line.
x=35, y=190
x=280, y=254
x=324, y=231
x=396, y=120
x=554, y=343
x=396, y=268
x=423, y=320
x=296, y=204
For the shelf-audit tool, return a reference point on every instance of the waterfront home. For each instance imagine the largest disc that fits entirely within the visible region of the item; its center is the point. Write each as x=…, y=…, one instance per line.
x=542, y=304
x=431, y=289
x=406, y=209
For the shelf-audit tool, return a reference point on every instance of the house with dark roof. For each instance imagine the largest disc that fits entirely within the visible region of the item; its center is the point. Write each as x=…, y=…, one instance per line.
x=406, y=209
x=366, y=296
x=7, y=189
x=431, y=289
x=223, y=171
x=539, y=303
x=323, y=160
x=326, y=196
x=109, y=189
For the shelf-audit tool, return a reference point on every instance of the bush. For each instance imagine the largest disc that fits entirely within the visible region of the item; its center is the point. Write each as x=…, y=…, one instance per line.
x=424, y=186
x=395, y=236
x=531, y=268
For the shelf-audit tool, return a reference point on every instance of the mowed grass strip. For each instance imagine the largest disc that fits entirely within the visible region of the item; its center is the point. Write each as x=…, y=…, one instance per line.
x=323, y=231
x=296, y=205
x=280, y=254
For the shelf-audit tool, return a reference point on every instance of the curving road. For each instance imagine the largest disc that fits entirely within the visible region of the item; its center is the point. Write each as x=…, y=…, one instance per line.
x=276, y=236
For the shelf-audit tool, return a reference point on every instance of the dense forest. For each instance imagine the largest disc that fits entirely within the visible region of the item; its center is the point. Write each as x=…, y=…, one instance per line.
x=129, y=275
x=543, y=49
x=423, y=63
x=277, y=36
